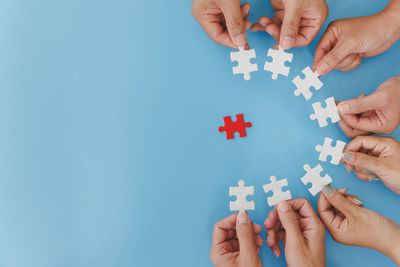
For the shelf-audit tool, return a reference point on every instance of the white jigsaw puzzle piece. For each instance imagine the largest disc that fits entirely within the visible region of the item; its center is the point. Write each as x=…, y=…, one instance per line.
x=322, y=114
x=303, y=85
x=241, y=193
x=244, y=65
x=313, y=176
x=336, y=152
x=276, y=188
x=277, y=66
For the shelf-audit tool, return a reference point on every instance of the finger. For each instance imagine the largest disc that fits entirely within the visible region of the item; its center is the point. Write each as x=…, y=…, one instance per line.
x=271, y=219
x=258, y=240
x=216, y=31
x=355, y=200
x=365, y=162
x=338, y=201
x=257, y=228
x=349, y=131
x=276, y=250
x=234, y=21
x=290, y=24
x=362, y=175
x=245, y=9
x=222, y=227
x=327, y=42
x=332, y=58
x=360, y=105
x=290, y=222
x=349, y=63
x=303, y=207
x=245, y=236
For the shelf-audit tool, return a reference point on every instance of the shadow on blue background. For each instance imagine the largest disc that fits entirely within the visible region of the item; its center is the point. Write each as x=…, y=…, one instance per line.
x=110, y=152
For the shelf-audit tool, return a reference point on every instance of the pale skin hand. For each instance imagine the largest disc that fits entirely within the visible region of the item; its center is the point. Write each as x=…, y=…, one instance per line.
x=236, y=242
x=376, y=113
x=346, y=42
x=224, y=21
x=295, y=223
x=375, y=156
x=350, y=224
x=295, y=23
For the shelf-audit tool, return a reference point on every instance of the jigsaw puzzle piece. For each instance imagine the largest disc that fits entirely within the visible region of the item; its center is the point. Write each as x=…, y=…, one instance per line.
x=311, y=79
x=313, y=176
x=277, y=65
x=276, y=187
x=322, y=114
x=231, y=127
x=336, y=152
x=244, y=66
x=241, y=192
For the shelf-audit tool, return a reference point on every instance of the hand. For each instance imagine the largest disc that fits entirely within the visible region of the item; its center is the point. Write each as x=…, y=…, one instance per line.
x=296, y=22
x=347, y=41
x=296, y=224
x=236, y=242
x=224, y=21
x=376, y=113
x=375, y=158
x=350, y=224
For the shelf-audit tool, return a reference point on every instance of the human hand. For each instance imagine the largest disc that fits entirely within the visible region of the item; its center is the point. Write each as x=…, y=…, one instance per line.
x=296, y=224
x=236, y=242
x=375, y=158
x=224, y=21
x=295, y=23
x=376, y=113
x=350, y=224
x=347, y=41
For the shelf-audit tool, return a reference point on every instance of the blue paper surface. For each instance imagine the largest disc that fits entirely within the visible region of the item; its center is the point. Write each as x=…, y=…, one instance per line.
x=110, y=153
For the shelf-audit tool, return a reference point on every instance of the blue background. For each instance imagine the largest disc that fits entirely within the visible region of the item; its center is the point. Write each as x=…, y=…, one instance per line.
x=110, y=153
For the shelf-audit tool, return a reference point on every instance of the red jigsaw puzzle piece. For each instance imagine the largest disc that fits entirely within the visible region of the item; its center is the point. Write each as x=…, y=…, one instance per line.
x=231, y=127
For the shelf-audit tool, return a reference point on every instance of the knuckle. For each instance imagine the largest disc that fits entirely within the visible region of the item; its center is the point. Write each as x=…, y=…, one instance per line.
x=333, y=55
x=292, y=27
x=235, y=24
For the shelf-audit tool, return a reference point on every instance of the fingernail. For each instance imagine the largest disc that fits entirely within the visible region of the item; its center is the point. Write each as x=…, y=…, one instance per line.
x=323, y=67
x=343, y=108
x=348, y=156
x=327, y=190
x=375, y=179
x=347, y=169
x=275, y=252
x=369, y=172
x=240, y=40
x=358, y=201
x=283, y=206
x=287, y=42
x=242, y=217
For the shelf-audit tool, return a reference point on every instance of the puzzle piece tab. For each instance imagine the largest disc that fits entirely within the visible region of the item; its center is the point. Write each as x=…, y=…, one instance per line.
x=322, y=114
x=244, y=65
x=336, y=152
x=230, y=127
x=276, y=187
x=303, y=85
x=241, y=193
x=277, y=66
x=314, y=177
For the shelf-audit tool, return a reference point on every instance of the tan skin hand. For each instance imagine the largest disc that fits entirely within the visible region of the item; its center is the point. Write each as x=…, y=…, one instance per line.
x=376, y=113
x=295, y=223
x=295, y=23
x=350, y=224
x=375, y=156
x=224, y=21
x=347, y=41
x=236, y=242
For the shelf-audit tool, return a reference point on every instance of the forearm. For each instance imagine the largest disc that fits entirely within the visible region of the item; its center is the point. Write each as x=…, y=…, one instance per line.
x=392, y=13
x=392, y=247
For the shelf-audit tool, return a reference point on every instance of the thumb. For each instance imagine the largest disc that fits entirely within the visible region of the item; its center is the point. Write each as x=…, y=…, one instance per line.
x=290, y=222
x=364, y=161
x=359, y=105
x=234, y=21
x=244, y=232
x=290, y=24
x=338, y=201
x=332, y=58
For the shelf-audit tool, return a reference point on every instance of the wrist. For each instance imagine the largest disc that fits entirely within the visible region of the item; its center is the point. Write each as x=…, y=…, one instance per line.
x=391, y=16
x=392, y=248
